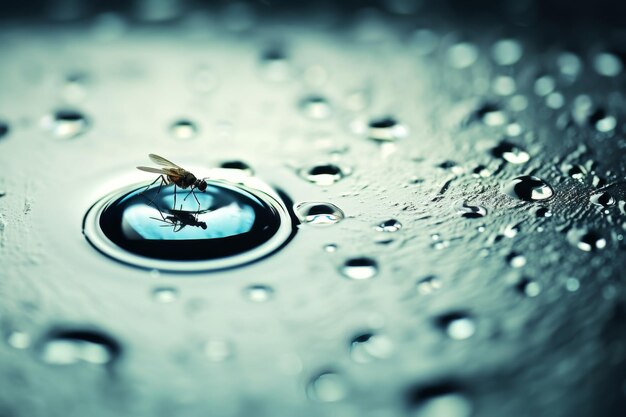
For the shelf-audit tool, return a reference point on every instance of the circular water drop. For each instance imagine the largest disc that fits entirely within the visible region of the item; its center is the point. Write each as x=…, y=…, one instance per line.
x=367, y=347
x=544, y=85
x=572, y=284
x=529, y=188
x=315, y=107
x=66, y=124
x=67, y=347
x=324, y=174
x=569, y=64
x=510, y=153
x=386, y=129
x=443, y=400
x=575, y=171
x=603, y=199
x=18, y=340
x=543, y=212
x=4, y=129
x=607, y=64
x=165, y=295
x=429, y=285
x=275, y=64
x=218, y=350
x=506, y=51
x=258, y=293
x=602, y=122
x=587, y=240
x=330, y=248
x=238, y=165
x=359, y=268
x=183, y=129
x=555, y=100
x=390, y=226
x=327, y=387
x=319, y=213
x=233, y=224
x=457, y=325
x=504, y=85
x=471, y=212
x=529, y=288
x=516, y=260
x=462, y=55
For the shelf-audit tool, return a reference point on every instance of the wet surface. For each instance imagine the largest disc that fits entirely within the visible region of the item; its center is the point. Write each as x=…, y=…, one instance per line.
x=458, y=175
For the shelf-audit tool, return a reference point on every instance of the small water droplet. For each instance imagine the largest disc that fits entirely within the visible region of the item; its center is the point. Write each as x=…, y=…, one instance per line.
x=324, y=174
x=506, y=51
x=275, y=64
x=555, y=100
x=462, y=55
x=602, y=122
x=529, y=287
x=258, y=293
x=569, y=64
x=481, y=171
x=572, y=284
x=165, y=295
x=218, y=350
x=390, y=226
x=67, y=347
x=18, y=340
x=529, y=188
x=516, y=260
x=504, y=85
x=361, y=268
x=443, y=400
x=327, y=387
x=238, y=165
x=575, y=171
x=429, y=285
x=457, y=325
x=4, y=129
x=471, y=212
x=319, y=214
x=586, y=239
x=386, y=129
x=544, y=85
x=330, y=248
x=603, y=199
x=607, y=64
x=367, y=347
x=66, y=124
x=184, y=129
x=315, y=107
x=543, y=212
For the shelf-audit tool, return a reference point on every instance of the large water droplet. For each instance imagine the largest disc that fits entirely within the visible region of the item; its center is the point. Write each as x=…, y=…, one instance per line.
x=442, y=400
x=360, y=268
x=66, y=124
x=457, y=325
x=386, y=129
x=603, y=199
x=607, y=64
x=327, y=387
x=232, y=224
x=319, y=213
x=529, y=188
x=66, y=347
x=471, y=212
x=367, y=347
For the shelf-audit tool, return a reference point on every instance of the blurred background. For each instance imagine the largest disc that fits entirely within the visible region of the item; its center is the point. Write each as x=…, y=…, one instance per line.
x=467, y=158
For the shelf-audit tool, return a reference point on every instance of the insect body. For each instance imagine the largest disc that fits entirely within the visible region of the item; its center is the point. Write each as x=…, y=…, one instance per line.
x=173, y=174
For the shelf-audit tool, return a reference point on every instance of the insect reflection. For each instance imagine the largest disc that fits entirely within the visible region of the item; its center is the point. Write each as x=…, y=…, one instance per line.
x=179, y=219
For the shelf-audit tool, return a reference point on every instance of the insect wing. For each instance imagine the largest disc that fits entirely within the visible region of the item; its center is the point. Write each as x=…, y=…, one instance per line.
x=159, y=160
x=153, y=170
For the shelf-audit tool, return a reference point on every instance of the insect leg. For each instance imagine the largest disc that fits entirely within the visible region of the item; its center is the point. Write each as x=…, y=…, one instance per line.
x=163, y=181
x=174, y=206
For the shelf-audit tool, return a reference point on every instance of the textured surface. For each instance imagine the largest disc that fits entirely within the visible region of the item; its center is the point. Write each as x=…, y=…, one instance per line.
x=520, y=319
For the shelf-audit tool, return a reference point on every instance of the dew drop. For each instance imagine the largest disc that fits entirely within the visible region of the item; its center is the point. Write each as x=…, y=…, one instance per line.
x=504, y=85
x=327, y=387
x=66, y=124
x=367, y=347
x=578, y=172
x=275, y=64
x=529, y=188
x=238, y=165
x=602, y=122
x=516, y=260
x=428, y=285
x=506, y=51
x=607, y=64
x=360, y=268
x=258, y=293
x=471, y=212
x=389, y=226
x=183, y=129
x=315, y=107
x=330, y=248
x=218, y=350
x=510, y=153
x=324, y=174
x=442, y=400
x=543, y=212
x=462, y=55
x=319, y=214
x=572, y=284
x=67, y=347
x=165, y=295
x=544, y=85
x=603, y=199
x=569, y=64
x=18, y=340
x=386, y=129
x=457, y=325
x=586, y=239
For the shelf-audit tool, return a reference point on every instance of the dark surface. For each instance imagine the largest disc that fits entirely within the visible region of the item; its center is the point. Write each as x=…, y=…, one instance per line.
x=478, y=304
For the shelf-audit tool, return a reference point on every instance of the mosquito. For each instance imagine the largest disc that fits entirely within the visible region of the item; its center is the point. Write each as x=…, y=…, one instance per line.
x=179, y=219
x=173, y=174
